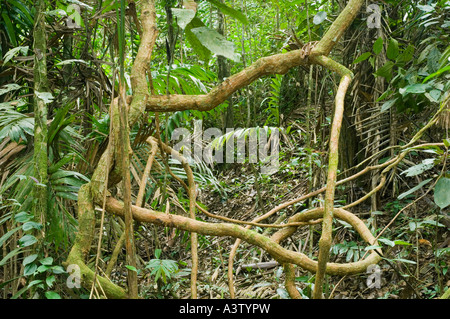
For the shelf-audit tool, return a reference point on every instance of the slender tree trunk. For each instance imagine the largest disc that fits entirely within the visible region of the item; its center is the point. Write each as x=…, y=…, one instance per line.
x=40, y=117
x=126, y=183
x=125, y=152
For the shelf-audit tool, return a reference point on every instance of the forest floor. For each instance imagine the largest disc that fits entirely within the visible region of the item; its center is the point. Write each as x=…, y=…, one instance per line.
x=416, y=267
x=415, y=247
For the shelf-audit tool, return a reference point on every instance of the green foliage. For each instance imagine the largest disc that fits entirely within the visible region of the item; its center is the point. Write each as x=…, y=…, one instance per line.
x=216, y=43
x=43, y=273
x=442, y=193
x=203, y=52
x=184, y=16
x=17, y=20
x=39, y=271
x=13, y=124
x=13, y=52
x=351, y=250
x=163, y=269
x=273, y=107
x=419, y=79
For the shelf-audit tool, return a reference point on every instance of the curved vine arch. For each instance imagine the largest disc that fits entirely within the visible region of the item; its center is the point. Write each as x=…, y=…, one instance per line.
x=95, y=192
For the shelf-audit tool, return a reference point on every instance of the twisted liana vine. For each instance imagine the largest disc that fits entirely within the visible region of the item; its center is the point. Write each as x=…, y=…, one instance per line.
x=108, y=171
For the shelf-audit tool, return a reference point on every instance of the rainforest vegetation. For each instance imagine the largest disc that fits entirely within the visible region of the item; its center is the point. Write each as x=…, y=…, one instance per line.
x=222, y=149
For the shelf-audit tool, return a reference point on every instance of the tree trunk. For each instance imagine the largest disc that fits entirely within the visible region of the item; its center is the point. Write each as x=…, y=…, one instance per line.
x=40, y=117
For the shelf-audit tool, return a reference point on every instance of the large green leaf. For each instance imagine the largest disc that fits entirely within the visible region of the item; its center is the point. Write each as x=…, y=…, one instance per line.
x=216, y=43
x=10, y=30
x=392, y=49
x=29, y=269
x=387, y=105
x=52, y=295
x=412, y=190
x=378, y=46
x=442, y=192
x=203, y=52
x=14, y=51
x=362, y=57
x=414, y=88
x=419, y=168
x=433, y=60
x=29, y=259
x=9, y=87
x=27, y=240
x=407, y=54
x=386, y=70
x=184, y=16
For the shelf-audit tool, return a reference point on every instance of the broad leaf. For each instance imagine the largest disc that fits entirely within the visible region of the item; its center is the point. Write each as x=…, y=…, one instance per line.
x=52, y=295
x=362, y=57
x=132, y=268
x=419, y=168
x=407, y=54
x=378, y=46
x=9, y=87
x=46, y=261
x=216, y=43
x=386, y=70
x=203, y=52
x=387, y=105
x=412, y=190
x=11, y=53
x=425, y=8
x=29, y=269
x=50, y=280
x=31, y=225
x=47, y=97
x=442, y=192
x=434, y=95
x=414, y=88
x=27, y=240
x=22, y=217
x=29, y=259
x=392, y=49
x=184, y=16
x=387, y=242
